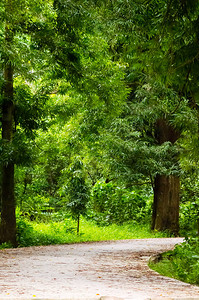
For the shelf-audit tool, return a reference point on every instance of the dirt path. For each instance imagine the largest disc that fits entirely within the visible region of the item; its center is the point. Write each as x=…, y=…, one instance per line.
x=89, y=271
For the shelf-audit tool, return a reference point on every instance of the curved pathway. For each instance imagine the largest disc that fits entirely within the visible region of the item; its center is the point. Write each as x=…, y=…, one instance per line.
x=104, y=270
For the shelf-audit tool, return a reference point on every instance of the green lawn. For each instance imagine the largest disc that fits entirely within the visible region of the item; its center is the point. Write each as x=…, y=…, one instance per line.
x=34, y=233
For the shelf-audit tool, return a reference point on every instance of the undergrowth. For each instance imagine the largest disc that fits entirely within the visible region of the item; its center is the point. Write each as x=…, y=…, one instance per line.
x=60, y=232
x=182, y=263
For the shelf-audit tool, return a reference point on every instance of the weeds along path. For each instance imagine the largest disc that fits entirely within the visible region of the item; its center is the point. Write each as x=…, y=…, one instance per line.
x=104, y=270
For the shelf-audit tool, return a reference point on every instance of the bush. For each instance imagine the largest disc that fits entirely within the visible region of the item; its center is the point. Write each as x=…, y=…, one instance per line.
x=189, y=207
x=189, y=221
x=24, y=233
x=182, y=263
x=185, y=260
x=32, y=233
x=113, y=204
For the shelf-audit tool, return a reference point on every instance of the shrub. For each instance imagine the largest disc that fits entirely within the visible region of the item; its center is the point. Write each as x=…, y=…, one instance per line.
x=24, y=233
x=182, y=263
x=113, y=204
x=185, y=259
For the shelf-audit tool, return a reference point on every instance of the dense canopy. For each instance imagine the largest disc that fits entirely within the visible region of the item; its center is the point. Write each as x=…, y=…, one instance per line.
x=99, y=112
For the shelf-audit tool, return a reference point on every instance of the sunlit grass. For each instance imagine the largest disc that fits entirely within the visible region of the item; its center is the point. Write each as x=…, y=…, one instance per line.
x=165, y=268
x=181, y=263
x=65, y=232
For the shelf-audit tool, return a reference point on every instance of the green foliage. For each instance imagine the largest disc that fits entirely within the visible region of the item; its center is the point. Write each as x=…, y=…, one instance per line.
x=76, y=188
x=64, y=231
x=189, y=208
x=6, y=245
x=185, y=260
x=24, y=233
x=164, y=266
x=91, y=80
x=189, y=218
x=151, y=46
x=37, y=207
x=182, y=262
x=113, y=204
x=31, y=105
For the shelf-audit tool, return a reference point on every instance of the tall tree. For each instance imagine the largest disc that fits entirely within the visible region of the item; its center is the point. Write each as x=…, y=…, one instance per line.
x=17, y=61
x=8, y=219
x=166, y=187
x=46, y=47
x=158, y=40
x=176, y=38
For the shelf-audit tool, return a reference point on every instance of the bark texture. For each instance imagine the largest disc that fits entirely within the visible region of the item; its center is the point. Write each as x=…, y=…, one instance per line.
x=8, y=218
x=166, y=204
x=166, y=188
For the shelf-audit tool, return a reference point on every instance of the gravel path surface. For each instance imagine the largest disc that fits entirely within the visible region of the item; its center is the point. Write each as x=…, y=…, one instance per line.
x=104, y=270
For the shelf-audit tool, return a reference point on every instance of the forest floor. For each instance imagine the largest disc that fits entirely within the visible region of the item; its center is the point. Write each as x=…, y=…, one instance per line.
x=102, y=270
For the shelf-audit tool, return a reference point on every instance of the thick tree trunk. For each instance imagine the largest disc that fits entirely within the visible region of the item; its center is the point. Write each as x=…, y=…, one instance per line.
x=166, y=188
x=166, y=204
x=8, y=218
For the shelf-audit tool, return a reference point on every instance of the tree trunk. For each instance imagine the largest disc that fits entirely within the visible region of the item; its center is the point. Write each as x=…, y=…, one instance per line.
x=166, y=187
x=8, y=218
x=78, y=223
x=166, y=204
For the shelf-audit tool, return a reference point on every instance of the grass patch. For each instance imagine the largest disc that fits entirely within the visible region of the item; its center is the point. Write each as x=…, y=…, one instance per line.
x=164, y=267
x=182, y=263
x=34, y=233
